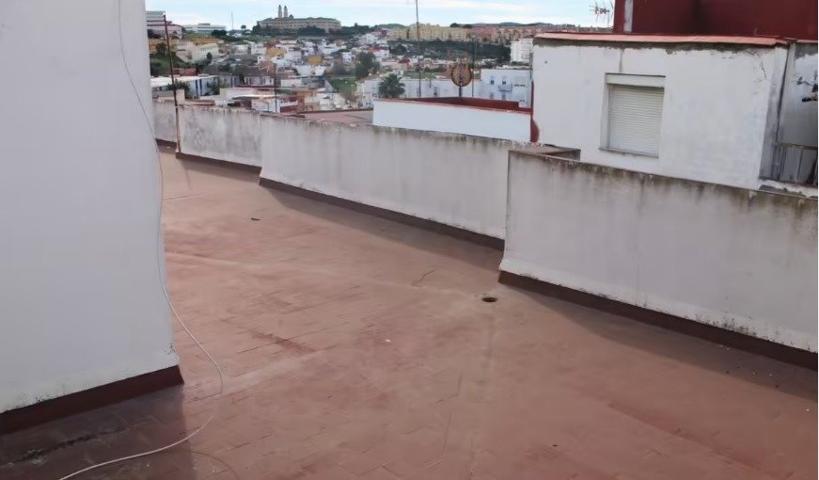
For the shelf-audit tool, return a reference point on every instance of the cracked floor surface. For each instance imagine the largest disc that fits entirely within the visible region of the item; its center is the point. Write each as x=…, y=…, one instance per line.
x=356, y=347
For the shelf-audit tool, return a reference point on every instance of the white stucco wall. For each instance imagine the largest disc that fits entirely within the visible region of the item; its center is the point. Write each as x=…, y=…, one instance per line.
x=233, y=135
x=164, y=121
x=719, y=111
x=735, y=258
x=451, y=179
x=439, y=117
x=81, y=303
x=456, y=180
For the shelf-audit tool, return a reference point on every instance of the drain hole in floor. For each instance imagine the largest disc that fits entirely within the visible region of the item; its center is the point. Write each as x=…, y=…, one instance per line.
x=489, y=299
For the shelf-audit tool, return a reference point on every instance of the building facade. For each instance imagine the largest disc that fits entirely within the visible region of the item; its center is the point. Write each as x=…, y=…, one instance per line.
x=203, y=28
x=724, y=110
x=196, y=52
x=521, y=50
x=509, y=84
x=156, y=23
x=287, y=22
x=429, y=32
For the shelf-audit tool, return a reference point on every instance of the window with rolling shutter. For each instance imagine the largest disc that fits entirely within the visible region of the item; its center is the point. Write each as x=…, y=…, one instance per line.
x=634, y=116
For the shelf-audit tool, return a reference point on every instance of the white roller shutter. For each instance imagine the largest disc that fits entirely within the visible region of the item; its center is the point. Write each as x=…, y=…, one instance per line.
x=634, y=119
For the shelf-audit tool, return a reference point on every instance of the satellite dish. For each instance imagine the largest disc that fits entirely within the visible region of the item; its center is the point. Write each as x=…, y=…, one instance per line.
x=461, y=74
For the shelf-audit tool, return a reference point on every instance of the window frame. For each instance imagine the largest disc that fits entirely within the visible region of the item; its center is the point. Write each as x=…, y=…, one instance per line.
x=627, y=80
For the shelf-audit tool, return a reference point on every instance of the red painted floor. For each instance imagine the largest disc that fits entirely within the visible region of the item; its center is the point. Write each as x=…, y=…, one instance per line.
x=355, y=347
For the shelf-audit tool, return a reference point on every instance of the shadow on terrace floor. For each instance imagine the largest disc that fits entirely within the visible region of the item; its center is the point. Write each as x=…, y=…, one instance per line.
x=702, y=353
x=421, y=238
x=432, y=241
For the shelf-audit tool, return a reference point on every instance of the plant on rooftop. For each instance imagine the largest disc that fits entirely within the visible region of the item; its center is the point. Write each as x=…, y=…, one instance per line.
x=390, y=87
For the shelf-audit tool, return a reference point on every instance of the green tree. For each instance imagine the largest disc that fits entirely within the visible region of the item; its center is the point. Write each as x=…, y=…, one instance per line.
x=311, y=32
x=161, y=49
x=219, y=33
x=365, y=65
x=390, y=87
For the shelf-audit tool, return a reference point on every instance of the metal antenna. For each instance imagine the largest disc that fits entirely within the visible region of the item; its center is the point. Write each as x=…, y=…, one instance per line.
x=171, y=54
x=601, y=11
x=418, y=39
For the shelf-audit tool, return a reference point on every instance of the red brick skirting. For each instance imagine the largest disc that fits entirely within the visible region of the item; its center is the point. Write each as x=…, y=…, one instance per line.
x=722, y=336
x=96, y=397
x=480, y=239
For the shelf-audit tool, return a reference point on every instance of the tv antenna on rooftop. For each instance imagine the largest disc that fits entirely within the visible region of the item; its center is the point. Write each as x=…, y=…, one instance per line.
x=601, y=10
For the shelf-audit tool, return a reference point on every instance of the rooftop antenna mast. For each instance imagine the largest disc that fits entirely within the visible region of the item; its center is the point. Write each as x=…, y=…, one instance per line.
x=418, y=39
x=174, y=85
x=601, y=10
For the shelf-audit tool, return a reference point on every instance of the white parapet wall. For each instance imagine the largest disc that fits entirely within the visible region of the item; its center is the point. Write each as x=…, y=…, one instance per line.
x=232, y=135
x=455, y=180
x=739, y=259
x=443, y=117
x=164, y=121
x=81, y=262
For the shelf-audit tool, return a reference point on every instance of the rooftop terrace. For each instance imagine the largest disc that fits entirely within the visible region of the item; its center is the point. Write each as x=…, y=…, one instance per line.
x=357, y=347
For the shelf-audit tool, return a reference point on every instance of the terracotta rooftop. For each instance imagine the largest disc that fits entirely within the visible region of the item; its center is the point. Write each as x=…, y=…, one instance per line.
x=662, y=39
x=359, y=348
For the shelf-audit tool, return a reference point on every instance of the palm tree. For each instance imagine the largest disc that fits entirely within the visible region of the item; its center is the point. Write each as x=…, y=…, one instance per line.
x=390, y=87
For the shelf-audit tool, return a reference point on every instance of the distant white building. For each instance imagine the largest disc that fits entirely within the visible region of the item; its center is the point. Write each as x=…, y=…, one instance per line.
x=197, y=85
x=272, y=104
x=521, y=50
x=508, y=84
x=193, y=52
x=307, y=70
x=204, y=28
x=368, y=39
x=248, y=48
x=293, y=55
x=155, y=23
x=434, y=87
x=381, y=53
x=513, y=84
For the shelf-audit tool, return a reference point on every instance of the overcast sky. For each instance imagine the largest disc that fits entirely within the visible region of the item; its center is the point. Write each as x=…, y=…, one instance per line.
x=370, y=12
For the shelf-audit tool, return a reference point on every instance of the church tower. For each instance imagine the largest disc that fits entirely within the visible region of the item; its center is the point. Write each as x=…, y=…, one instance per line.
x=280, y=12
x=285, y=12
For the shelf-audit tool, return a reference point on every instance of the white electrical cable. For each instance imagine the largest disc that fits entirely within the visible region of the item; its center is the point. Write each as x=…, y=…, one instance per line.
x=159, y=255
